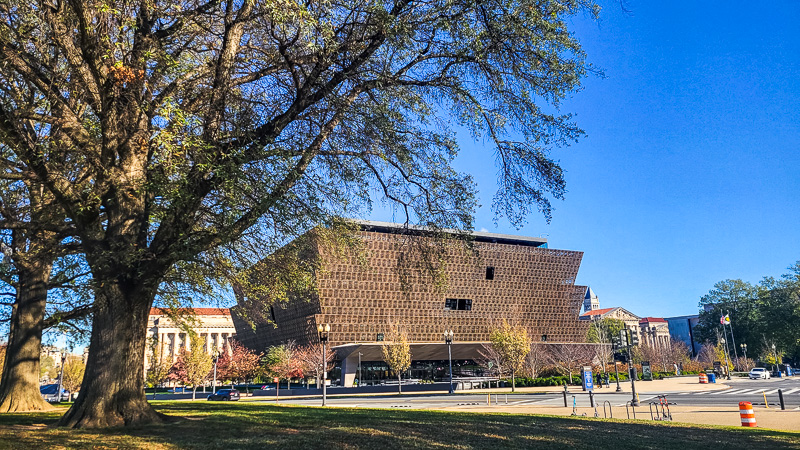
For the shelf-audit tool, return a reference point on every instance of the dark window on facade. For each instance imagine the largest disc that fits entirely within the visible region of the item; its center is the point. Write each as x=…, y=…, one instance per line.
x=380, y=337
x=459, y=304
x=490, y=273
x=544, y=337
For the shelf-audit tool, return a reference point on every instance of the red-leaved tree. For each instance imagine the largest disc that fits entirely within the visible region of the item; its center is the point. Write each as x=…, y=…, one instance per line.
x=237, y=362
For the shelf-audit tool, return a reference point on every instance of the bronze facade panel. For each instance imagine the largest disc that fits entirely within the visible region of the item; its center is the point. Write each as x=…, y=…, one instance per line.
x=529, y=284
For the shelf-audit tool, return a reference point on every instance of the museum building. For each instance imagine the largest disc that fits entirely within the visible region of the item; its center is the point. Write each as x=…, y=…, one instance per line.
x=494, y=277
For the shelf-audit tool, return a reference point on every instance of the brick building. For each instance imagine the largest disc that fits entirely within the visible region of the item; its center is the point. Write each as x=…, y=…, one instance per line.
x=505, y=277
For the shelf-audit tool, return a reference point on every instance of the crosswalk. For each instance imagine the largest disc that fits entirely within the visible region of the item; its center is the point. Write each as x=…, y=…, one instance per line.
x=748, y=391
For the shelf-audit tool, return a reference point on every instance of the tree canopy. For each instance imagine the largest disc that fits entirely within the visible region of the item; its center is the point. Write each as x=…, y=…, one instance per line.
x=165, y=131
x=512, y=344
x=761, y=315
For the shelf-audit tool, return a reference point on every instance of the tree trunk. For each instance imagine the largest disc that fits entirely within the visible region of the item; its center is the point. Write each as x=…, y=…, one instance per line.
x=194, y=391
x=399, y=385
x=513, y=380
x=19, y=386
x=112, y=393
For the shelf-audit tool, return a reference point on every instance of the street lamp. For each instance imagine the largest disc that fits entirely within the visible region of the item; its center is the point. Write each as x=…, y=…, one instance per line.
x=359, y=369
x=214, y=381
x=775, y=352
x=61, y=374
x=448, y=339
x=744, y=349
x=323, y=331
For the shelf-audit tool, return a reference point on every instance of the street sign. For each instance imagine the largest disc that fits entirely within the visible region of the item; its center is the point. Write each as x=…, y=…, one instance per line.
x=275, y=380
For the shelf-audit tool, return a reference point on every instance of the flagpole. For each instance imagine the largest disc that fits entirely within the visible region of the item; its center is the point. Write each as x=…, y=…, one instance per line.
x=730, y=327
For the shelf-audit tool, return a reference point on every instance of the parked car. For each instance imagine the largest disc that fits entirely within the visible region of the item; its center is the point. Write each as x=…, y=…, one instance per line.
x=50, y=393
x=759, y=373
x=224, y=395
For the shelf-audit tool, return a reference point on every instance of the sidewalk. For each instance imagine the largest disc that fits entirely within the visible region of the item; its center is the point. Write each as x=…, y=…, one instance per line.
x=771, y=418
x=672, y=384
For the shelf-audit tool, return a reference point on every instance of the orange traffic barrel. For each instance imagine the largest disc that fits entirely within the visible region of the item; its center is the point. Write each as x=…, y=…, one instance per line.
x=703, y=379
x=746, y=411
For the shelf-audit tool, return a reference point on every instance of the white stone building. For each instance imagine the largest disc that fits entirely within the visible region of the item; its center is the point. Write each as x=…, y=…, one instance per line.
x=213, y=325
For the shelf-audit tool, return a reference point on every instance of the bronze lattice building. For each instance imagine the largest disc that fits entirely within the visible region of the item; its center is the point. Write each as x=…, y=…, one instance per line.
x=499, y=277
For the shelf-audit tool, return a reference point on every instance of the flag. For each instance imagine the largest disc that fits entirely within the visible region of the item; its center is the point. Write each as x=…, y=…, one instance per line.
x=725, y=320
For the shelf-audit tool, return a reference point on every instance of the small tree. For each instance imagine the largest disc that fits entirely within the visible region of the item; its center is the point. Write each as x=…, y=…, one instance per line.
x=570, y=357
x=537, y=359
x=48, y=368
x=602, y=331
x=397, y=353
x=159, y=368
x=310, y=357
x=238, y=362
x=491, y=360
x=73, y=373
x=284, y=361
x=196, y=363
x=513, y=345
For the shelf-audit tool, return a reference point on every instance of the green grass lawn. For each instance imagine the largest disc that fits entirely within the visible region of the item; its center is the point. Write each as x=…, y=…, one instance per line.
x=257, y=426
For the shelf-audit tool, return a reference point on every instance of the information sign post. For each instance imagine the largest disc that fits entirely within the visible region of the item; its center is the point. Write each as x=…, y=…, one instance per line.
x=588, y=379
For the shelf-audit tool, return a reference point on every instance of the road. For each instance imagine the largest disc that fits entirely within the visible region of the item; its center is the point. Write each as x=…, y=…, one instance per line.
x=740, y=390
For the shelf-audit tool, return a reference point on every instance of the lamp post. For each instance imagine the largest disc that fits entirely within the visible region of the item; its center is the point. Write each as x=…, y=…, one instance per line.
x=359, y=370
x=323, y=331
x=744, y=349
x=774, y=351
x=214, y=381
x=448, y=339
x=61, y=374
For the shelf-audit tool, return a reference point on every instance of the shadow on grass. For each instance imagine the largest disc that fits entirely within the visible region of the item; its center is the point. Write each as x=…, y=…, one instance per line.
x=231, y=425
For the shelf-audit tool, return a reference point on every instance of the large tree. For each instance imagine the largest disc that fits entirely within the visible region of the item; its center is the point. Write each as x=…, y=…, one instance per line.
x=766, y=312
x=179, y=127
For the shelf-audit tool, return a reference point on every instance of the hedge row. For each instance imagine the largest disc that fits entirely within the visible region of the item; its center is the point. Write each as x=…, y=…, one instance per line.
x=561, y=380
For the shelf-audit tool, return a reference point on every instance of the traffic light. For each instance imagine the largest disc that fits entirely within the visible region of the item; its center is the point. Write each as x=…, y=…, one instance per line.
x=634, y=339
x=621, y=357
x=615, y=344
x=623, y=338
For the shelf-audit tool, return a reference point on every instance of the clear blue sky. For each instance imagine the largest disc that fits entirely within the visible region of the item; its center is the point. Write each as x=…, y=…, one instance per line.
x=690, y=173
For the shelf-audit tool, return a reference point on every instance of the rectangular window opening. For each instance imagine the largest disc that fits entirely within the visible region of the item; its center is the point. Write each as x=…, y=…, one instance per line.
x=490, y=273
x=458, y=304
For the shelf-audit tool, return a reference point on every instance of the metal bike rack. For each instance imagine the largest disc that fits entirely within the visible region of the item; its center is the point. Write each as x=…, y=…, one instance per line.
x=652, y=417
x=630, y=403
x=610, y=411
